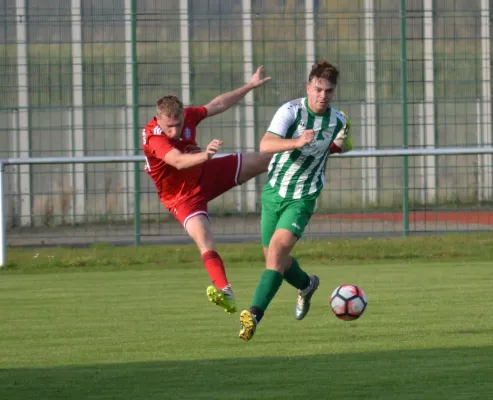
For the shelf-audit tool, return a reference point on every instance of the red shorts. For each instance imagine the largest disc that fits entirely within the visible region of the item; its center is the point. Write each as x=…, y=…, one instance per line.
x=219, y=175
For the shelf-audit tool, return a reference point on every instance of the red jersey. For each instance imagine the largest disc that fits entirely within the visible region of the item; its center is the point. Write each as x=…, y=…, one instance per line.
x=172, y=184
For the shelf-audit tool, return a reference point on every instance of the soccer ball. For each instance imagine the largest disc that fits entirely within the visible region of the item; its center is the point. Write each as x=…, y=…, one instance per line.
x=348, y=302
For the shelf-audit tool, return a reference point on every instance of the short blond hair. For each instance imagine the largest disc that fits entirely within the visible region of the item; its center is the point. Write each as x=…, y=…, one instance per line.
x=171, y=106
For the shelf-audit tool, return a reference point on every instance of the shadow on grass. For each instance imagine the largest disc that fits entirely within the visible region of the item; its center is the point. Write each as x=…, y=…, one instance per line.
x=459, y=373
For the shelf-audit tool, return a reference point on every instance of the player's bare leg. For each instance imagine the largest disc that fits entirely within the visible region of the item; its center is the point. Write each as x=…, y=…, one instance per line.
x=278, y=261
x=277, y=257
x=252, y=165
x=220, y=293
x=279, y=254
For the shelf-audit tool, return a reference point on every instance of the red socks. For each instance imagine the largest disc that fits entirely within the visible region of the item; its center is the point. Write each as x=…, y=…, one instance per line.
x=215, y=267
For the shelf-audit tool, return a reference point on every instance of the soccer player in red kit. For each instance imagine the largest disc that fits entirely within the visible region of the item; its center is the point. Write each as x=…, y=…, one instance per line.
x=187, y=178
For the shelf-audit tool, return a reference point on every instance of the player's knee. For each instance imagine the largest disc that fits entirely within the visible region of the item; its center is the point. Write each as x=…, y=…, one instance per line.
x=274, y=261
x=278, y=259
x=278, y=255
x=198, y=228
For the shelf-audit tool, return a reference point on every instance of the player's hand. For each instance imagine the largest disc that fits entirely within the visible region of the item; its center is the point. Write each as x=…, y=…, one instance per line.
x=343, y=139
x=213, y=147
x=347, y=128
x=305, y=138
x=257, y=79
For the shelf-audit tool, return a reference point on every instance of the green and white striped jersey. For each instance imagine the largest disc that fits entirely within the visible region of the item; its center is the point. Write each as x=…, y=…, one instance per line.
x=299, y=173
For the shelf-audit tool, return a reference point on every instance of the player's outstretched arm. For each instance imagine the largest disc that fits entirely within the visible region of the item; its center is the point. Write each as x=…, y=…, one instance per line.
x=181, y=160
x=224, y=101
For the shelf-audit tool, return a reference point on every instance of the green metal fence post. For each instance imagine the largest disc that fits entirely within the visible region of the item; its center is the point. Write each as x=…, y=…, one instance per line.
x=405, y=161
x=135, y=111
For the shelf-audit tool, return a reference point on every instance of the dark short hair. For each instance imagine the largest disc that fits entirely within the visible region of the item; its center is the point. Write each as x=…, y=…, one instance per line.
x=324, y=70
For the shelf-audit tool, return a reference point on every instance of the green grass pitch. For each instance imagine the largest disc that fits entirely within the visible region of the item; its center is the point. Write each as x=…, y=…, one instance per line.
x=134, y=323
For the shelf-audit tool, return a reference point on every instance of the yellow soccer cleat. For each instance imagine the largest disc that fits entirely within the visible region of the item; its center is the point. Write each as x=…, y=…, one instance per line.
x=222, y=298
x=248, y=325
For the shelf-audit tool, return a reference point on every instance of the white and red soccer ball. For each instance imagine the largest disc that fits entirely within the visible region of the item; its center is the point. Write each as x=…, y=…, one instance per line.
x=348, y=302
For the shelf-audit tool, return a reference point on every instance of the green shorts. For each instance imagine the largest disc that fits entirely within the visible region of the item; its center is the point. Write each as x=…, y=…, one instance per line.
x=279, y=213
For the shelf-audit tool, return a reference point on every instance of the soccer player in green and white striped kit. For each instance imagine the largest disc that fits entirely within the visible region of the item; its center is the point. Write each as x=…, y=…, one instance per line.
x=301, y=135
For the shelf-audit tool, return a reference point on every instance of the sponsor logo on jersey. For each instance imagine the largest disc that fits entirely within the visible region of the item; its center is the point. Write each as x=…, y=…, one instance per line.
x=187, y=134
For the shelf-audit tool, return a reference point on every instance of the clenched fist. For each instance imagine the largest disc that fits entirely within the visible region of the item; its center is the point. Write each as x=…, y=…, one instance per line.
x=305, y=138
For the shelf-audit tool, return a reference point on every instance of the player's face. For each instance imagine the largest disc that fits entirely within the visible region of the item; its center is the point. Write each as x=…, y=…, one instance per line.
x=171, y=126
x=320, y=93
